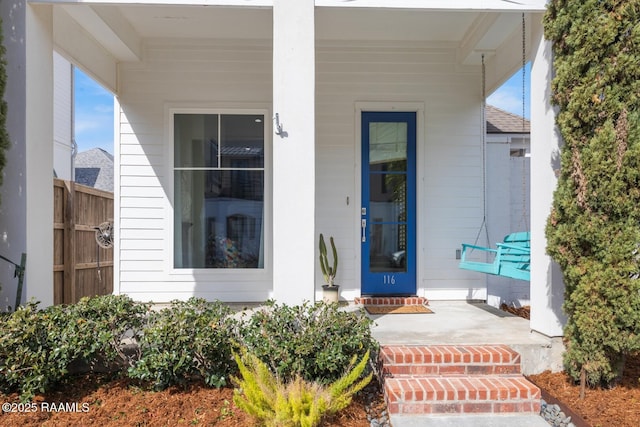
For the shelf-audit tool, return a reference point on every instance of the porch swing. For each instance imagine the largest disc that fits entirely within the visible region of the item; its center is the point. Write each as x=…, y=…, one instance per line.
x=511, y=257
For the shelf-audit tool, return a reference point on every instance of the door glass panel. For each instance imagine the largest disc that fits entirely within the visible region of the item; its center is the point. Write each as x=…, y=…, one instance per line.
x=388, y=196
x=387, y=251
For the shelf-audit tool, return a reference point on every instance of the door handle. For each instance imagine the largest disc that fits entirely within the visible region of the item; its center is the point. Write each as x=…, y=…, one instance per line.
x=363, y=226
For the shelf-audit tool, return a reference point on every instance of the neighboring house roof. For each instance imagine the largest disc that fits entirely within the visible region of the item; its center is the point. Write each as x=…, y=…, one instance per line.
x=500, y=121
x=94, y=168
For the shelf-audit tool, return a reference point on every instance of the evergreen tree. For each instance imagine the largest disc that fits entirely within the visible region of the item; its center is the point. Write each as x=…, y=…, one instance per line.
x=593, y=231
x=4, y=136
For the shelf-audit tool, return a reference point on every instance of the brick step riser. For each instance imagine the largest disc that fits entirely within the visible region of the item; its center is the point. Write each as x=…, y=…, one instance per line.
x=456, y=360
x=435, y=395
x=390, y=301
x=459, y=388
x=453, y=370
x=464, y=408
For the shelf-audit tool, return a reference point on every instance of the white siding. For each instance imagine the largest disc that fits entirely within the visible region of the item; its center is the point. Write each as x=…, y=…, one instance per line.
x=505, y=194
x=183, y=74
x=239, y=74
x=449, y=170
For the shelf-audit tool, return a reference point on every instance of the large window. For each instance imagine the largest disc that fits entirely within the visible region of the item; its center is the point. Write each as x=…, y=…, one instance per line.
x=218, y=190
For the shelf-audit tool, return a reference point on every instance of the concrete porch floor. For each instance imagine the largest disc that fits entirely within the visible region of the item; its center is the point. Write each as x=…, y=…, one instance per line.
x=460, y=322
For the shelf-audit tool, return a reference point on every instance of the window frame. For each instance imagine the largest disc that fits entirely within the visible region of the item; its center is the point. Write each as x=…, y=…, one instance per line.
x=259, y=273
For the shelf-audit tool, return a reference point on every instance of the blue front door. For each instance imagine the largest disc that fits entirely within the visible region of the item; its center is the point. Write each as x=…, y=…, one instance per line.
x=388, y=226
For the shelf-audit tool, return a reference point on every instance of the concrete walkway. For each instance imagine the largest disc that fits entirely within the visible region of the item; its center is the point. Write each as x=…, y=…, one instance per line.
x=459, y=322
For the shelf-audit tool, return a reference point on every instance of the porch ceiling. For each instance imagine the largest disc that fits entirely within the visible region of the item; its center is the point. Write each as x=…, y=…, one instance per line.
x=120, y=30
x=484, y=31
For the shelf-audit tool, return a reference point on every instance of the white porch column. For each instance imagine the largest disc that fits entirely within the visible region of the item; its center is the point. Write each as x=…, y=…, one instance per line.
x=547, y=288
x=13, y=226
x=26, y=213
x=294, y=257
x=39, y=142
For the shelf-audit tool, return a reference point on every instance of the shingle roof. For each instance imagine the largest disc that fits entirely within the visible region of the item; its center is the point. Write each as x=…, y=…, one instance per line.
x=500, y=121
x=94, y=168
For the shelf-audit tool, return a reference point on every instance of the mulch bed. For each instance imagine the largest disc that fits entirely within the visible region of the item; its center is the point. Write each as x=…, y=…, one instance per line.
x=100, y=401
x=524, y=312
x=601, y=407
x=618, y=406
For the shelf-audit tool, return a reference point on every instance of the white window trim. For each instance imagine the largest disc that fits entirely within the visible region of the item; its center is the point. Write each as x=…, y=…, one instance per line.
x=217, y=274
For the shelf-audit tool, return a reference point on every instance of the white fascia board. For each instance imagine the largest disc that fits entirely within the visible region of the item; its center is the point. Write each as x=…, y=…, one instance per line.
x=495, y=5
x=489, y=5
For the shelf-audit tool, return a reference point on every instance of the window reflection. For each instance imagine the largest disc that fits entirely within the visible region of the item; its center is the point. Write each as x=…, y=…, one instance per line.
x=218, y=191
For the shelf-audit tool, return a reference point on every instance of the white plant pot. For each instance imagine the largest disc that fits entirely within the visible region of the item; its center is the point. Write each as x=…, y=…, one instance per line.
x=330, y=293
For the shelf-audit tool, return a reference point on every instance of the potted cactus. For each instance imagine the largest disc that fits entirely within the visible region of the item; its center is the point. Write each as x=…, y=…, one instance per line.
x=329, y=270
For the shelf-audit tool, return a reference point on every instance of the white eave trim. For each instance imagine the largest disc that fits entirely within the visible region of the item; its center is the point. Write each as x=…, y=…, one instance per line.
x=488, y=5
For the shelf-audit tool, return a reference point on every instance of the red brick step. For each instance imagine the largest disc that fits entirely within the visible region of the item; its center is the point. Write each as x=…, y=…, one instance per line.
x=391, y=301
x=456, y=379
x=461, y=395
x=450, y=360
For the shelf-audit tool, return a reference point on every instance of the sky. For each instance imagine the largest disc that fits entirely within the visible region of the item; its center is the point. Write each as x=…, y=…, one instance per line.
x=509, y=96
x=93, y=114
x=94, y=108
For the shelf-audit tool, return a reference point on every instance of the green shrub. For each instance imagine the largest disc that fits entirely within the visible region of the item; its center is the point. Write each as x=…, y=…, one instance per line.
x=593, y=231
x=37, y=346
x=103, y=325
x=187, y=341
x=35, y=350
x=296, y=402
x=316, y=341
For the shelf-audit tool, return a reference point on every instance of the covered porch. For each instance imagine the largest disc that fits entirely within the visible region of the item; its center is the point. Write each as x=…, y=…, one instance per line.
x=311, y=70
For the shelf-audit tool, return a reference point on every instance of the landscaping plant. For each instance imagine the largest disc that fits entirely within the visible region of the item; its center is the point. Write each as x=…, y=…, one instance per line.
x=33, y=353
x=296, y=402
x=104, y=326
x=314, y=341
x=37, y=346
x=188, y=340
x=593, y=231
x=311, y=349
x=329, y=270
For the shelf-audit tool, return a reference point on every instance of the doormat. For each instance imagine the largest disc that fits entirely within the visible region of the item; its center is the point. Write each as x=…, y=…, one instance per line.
x=397, y=309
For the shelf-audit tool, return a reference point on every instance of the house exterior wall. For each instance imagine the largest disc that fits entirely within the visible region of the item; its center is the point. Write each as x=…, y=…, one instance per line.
x=498, y=213
x=389, y=76
x=228, y=74
x=505, y=191
x=63, y=120
x=187, y=74
x=349, y=76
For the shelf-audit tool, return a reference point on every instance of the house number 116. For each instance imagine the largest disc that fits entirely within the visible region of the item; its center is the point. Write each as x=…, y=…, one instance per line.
x=389, y=279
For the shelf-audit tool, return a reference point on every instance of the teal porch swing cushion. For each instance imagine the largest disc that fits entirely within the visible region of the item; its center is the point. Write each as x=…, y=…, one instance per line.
x=511, y=258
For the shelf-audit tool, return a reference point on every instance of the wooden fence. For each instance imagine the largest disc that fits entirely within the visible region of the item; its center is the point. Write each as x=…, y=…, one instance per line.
x=80, y=267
